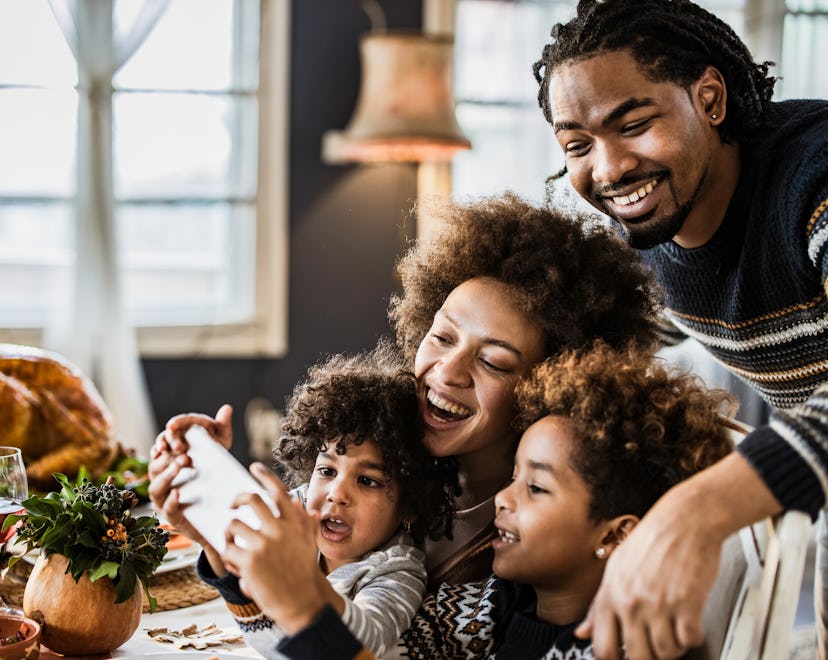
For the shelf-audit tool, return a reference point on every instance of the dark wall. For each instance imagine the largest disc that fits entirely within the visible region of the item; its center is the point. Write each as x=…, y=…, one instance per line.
x=348, y=224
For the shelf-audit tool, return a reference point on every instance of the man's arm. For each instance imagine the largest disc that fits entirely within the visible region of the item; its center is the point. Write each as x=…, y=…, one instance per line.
x=656, y=583
x=326, y=636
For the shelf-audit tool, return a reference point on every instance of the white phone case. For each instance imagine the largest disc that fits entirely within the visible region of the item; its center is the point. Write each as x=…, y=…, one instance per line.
x=210, y=486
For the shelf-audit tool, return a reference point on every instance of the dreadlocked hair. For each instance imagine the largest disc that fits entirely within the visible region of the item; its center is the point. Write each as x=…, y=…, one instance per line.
x=672, y=41
x=638, y=426
x=347, y=400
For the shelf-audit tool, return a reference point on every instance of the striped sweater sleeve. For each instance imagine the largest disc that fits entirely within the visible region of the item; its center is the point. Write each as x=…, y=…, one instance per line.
x=791, y=453
x=385, y=591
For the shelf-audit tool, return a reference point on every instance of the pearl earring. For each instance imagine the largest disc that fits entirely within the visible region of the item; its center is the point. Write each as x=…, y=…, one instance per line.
x=714, y=116
x=600, y=553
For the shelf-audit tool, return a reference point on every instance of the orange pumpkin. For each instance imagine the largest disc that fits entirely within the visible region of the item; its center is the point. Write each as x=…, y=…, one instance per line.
x=78, y=618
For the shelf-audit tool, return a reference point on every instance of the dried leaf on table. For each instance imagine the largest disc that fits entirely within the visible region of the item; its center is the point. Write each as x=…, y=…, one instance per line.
x=194, y=637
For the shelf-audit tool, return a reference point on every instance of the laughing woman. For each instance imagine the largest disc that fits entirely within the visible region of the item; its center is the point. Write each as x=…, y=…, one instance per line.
x=506, y=285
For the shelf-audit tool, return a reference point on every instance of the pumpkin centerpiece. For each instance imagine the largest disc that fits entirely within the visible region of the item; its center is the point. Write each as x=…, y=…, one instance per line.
x=84, y=588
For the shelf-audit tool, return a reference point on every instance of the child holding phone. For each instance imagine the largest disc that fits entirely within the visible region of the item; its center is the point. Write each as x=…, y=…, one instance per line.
x=351, y=444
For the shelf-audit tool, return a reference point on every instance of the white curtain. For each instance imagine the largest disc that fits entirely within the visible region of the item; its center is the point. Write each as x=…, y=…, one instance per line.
x=803, y=49
x=92, y=330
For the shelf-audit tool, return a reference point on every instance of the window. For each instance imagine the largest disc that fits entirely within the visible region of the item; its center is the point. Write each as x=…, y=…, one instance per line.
x=805, y=33
x=513, y=148
x=198, y=174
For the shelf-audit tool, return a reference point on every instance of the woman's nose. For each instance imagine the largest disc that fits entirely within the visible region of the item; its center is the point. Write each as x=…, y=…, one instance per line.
x=453, y=369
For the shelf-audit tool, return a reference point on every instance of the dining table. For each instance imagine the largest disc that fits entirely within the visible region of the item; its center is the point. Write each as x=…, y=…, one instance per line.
x=190, y=617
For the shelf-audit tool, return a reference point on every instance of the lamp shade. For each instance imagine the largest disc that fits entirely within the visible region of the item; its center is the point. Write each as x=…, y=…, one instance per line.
x=405, y=108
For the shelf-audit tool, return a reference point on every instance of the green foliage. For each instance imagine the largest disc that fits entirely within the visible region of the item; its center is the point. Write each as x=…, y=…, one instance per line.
x=127, y=473
x=93, y=527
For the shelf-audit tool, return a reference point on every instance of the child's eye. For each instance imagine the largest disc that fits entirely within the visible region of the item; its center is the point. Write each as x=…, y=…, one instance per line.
x=326, y=471
x=535, y=489
x=370, y=482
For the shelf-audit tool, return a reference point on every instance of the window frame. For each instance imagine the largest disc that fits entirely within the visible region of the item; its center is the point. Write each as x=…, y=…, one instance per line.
x=266, y=333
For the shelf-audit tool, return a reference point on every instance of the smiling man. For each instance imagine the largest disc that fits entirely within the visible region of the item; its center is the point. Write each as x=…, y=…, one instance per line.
x=668, y=127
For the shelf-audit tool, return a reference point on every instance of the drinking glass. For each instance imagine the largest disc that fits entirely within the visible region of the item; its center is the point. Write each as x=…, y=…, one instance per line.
x=14, y=488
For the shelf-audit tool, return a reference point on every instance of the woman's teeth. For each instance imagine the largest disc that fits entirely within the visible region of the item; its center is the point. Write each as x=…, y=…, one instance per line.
x=633, y=197
x=453, y=409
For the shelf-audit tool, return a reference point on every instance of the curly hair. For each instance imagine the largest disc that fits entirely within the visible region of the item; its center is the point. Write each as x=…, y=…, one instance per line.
x=576, y=278
x=346, y=400
x=672, y=41
x=639, y=427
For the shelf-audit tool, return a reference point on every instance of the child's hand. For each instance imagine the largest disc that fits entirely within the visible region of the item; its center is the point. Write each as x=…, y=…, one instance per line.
x=168, y=456
x=163, y=469
x=220, y=429
x=278, y=567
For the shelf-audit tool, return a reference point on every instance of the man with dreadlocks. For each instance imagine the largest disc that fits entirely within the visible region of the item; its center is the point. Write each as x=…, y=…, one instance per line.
x=667, y=126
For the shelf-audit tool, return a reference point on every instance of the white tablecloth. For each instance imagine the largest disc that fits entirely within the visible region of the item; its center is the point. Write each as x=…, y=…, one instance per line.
x=213, y=611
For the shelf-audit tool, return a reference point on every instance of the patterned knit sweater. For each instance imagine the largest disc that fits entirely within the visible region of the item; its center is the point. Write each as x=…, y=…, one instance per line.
x=494, y=619
x=754, y=295
x=491, y=620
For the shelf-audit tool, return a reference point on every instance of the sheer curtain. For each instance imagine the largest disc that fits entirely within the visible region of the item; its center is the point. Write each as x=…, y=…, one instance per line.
x=91, y=329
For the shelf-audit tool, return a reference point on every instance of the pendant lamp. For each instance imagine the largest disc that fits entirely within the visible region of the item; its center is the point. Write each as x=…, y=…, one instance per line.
x=405, y=107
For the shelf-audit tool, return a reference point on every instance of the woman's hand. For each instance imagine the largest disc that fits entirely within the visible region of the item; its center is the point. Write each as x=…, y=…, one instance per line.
x=277, y=564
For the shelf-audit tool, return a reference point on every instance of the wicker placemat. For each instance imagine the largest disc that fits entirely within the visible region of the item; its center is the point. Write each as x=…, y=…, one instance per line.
x=172, y=590
x=180, y=588
x=13, y=584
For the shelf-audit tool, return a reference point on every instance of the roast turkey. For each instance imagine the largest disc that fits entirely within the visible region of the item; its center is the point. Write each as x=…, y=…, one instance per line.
x=54, y=414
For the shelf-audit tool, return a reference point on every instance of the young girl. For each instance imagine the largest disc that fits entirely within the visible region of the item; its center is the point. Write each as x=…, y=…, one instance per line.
x=352, y=445
x=608, y=433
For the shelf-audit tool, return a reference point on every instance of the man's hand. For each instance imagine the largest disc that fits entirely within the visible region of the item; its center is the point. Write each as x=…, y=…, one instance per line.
x=656, y=583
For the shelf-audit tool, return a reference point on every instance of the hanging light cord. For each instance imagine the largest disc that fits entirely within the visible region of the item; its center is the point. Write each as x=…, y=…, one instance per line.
x=375, y=15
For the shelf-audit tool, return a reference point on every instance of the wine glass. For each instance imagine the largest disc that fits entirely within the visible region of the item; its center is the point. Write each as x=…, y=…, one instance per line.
x=14, y=488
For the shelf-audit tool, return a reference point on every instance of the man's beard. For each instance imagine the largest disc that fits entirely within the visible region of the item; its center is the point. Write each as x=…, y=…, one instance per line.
x=646, y=235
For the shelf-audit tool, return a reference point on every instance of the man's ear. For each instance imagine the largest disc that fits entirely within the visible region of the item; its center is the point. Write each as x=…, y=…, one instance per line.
x=617, y=530
x=710, y=91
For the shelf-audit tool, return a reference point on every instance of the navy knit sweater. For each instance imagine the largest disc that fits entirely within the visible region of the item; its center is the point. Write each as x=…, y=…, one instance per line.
x=754, y=295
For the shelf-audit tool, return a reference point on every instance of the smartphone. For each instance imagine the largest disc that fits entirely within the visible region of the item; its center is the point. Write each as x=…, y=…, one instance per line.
x=208, y=488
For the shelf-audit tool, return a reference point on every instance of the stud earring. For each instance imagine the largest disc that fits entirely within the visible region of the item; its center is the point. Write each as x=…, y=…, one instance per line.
x=714, y=116
x=600, y=553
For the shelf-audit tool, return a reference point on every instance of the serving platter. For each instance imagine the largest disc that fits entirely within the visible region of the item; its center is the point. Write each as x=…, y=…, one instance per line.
x=177, y=559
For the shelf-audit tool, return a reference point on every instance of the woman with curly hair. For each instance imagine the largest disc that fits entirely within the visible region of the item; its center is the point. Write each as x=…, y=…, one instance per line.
x=503, y=286
x=351, y=447
x=607, y=433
